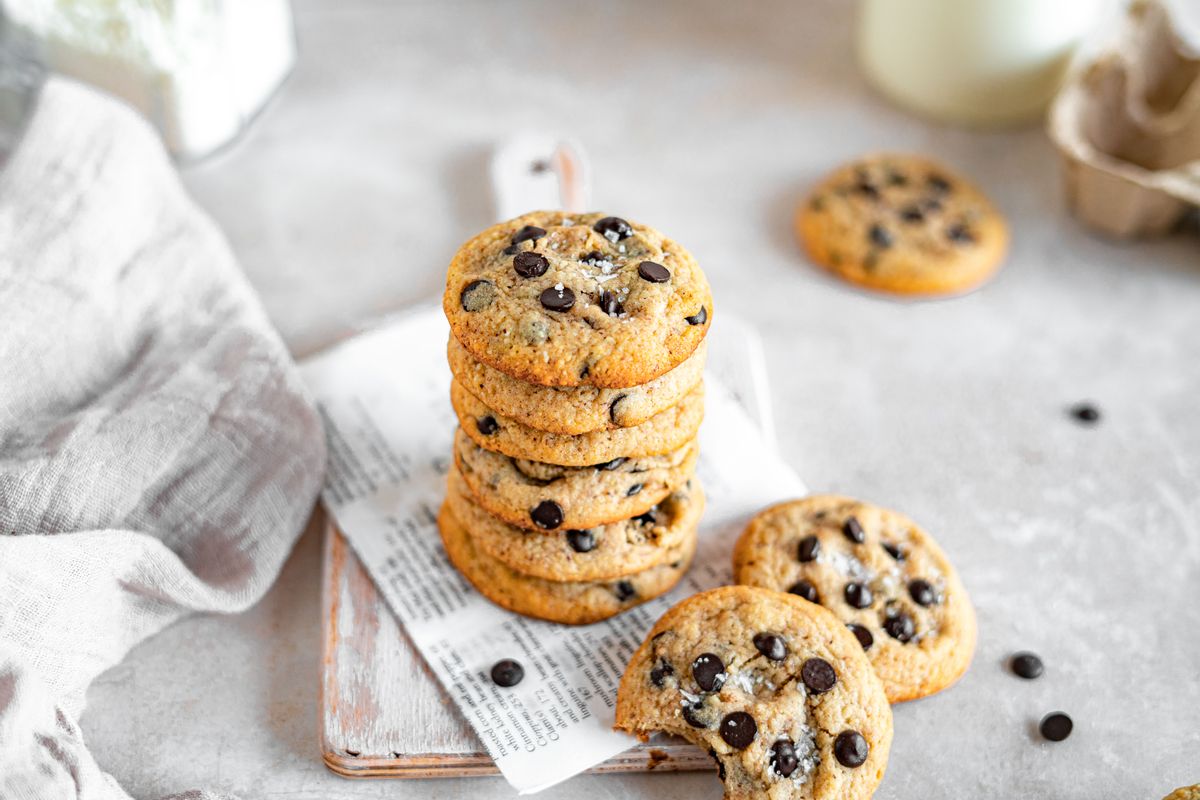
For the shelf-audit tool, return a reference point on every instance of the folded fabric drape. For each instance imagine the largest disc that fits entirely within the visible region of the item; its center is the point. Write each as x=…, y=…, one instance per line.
x=158, y=453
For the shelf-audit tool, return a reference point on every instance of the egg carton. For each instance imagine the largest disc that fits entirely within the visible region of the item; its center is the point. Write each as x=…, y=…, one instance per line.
x=1127, y=123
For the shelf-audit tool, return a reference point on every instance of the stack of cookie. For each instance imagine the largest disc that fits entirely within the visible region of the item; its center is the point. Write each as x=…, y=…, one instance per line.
x=577, y=348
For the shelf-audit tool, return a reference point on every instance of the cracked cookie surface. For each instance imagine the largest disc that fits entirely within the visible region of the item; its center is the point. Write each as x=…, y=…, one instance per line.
x=665, y=432
x=600, y=553
x=776, y=689
x=579, y=409
x=562, y=299
x=571, y=603
x=878, y=572
x=539, y=496
x=902, y=224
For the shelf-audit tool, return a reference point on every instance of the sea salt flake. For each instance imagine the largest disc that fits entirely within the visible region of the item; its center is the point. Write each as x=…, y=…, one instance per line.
x=750, y=680
x=558, y=287
x=743, y=680
x=806, y=754
x=846, y=565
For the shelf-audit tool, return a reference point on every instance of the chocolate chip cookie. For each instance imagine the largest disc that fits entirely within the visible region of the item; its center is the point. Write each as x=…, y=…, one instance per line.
x=604, y=552
x=571, y=603
x=880, y=573
x=776, y=689
x=903, y=224
x=575, y=410
x=563, y=299
x=665, y=432
x=539, y=496
x=1185, y=793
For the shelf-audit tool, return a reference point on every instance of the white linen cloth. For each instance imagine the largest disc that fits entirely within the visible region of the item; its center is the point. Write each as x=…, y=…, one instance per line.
x=158, y=453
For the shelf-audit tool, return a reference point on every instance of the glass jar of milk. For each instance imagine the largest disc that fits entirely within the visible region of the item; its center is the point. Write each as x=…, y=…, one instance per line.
x=974, y=62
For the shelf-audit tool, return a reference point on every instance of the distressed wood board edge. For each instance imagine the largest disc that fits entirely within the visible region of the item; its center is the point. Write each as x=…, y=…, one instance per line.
x=343, y=580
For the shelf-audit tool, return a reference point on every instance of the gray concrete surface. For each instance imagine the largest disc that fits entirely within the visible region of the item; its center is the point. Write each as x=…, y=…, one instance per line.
x=706, y=119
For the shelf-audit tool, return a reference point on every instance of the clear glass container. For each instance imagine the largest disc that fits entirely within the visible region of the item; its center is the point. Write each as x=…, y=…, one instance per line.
x=974, y=62
x=198, y=69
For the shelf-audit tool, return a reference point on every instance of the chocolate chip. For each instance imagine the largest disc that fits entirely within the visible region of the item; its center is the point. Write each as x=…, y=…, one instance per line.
x=547, y=515
x=1056, y=726
x=612, y=408
x=858, y=595
x=806, y=590
x=611, y=465
x=912, y=214
x=960, y=234
x=610, y=305
x=691, y=717
x=699, y=318
x=555, y=299
x=487, y=425
x=851, y=749
x=511, y=250
x=893, y=551
x=530, y=265
x=867, y=189
x=632, y=490
x=646, y=519
x=818, y=675
x=922, y=592
x=809, y=549
x=624, y=590
x=1086, y=413
x=593, y=257
x=613, y=228
x=879, y=236
x=527, y=233
x=507, y=673
x=864, y=636
x=931, y=205
x=658, y=675
x=771, y=645
x=739, y=729
x=937, y=183
x=783, y=758
x=477, y=295
x=581, y=541
x=655, y=273
x=900, y=627
x=709, y=672
x=896, y=178
x=1027, y=666
x=853, y=530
